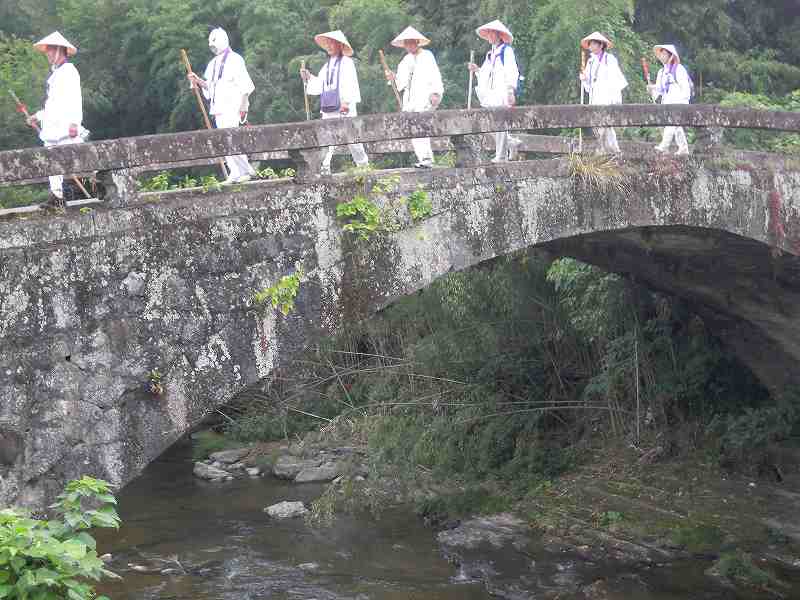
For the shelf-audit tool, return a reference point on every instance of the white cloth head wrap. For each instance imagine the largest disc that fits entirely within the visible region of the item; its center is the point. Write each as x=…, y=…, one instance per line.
x=218, y=41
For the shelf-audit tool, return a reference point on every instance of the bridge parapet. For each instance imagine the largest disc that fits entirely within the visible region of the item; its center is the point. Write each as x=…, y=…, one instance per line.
x=119, y=160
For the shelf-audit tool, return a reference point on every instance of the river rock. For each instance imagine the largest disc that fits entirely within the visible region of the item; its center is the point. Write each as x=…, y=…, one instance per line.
x=325, y=472
x=287, y=466
x=496, y=530
x=204, y=471
x=228, y=457
x=253, y=471
x=286, y=510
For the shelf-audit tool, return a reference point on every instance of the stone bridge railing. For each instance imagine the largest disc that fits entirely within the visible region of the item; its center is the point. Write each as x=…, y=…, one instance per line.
x=118, y=161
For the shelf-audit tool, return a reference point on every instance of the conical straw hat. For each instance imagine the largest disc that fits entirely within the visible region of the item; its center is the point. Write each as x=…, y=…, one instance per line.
x=55, y=39
x=409, y=33
x=505, y=34
x=337, y=36
x=597, y=37
x=669, y=48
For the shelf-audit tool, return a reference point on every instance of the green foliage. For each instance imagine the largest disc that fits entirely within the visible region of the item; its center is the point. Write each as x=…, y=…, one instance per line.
x=156, y=384
x=13, y=197
x=360, y=216
x=739, y=566
x=608, y=518
x=282, y=294
x=54, y=559
x=23, y=70
x=471, y=501
x=419, y=204
x=206, y=442
x=157, y=183
x=697, y=537
x=210, y=183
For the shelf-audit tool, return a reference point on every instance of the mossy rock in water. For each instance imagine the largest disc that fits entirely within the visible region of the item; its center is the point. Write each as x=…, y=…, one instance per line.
x=740, y=568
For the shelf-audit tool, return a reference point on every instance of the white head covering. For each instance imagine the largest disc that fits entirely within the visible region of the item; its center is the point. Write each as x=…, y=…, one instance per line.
x=505, y=34
x=218, y=40
x=55, y=39
x=323, y=38
x=597, y=37
x=669, y=48
x=409, y=33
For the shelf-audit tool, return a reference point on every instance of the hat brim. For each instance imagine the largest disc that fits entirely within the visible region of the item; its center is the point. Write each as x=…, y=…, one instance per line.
x=585, y=42
x=421, y=41
x=483, y=33
x=675, y=56
x=71, y=50
x=323, y=41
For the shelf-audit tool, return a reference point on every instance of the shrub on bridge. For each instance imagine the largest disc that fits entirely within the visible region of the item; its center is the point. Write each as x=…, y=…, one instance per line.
x=53, y=559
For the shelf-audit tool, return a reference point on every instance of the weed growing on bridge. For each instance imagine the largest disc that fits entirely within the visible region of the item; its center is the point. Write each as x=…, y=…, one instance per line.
x=419, y=204
x=282, y=294
x=270, y=173
x=361, y=215
x=53, y=559
x=598, y=172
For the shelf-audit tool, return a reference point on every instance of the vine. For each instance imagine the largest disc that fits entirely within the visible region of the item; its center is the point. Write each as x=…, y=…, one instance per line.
x=282, y=294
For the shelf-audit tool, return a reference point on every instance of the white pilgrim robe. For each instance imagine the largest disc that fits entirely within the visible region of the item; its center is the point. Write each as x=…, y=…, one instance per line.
x=418, y=77
x=349, y=93
x=497, y=76
x=63, y=106
x=673, y=85
x=229, y=84
x=605, y=80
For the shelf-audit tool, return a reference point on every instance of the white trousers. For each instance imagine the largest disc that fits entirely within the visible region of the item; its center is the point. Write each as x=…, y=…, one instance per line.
x=422, y=148
x=237, y=165
x=356, y=150
x=678, y=135
x=607, y=136
x=57, y=181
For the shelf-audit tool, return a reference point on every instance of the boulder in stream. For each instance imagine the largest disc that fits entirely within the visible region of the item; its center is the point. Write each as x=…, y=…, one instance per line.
x=288, y=466
x=204, y=471
x=325, y=472
x=228, y=457
x=286, y=510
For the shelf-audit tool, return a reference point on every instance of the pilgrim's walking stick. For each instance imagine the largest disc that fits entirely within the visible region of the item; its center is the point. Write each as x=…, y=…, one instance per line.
x=646, y=77
x=386, y=71
x=469, y=85
x=305, y=91
x=24, y=110
x=200, y=103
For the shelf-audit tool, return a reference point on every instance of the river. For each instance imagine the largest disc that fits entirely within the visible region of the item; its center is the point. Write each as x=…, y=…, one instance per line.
x=216, y=542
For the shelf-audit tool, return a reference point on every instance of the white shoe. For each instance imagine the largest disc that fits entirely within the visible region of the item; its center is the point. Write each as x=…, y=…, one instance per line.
x=682, y=152
x=243, y=178
x=660, y=149
x=230, y=180
x=513, y=147
x=325, y=171
x=424, y=164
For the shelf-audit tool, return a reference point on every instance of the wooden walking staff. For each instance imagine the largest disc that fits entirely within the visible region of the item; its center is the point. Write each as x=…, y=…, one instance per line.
x=188, y=65
x=646, y=77
x=305, y=91
x=469, y=85
x=394, y=85
x=24, y=110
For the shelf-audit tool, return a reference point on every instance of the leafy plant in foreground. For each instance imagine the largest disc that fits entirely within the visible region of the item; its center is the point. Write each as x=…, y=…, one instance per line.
x=51, y=560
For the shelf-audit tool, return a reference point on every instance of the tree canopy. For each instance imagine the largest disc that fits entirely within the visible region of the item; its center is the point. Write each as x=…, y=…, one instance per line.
x=134, y=83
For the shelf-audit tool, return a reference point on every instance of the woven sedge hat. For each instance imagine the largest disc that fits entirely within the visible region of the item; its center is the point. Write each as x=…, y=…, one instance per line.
x=55, y=39
x=322, y=40
x=505, y=34
x=409, y=33
x=597, y=37
x=669, y=48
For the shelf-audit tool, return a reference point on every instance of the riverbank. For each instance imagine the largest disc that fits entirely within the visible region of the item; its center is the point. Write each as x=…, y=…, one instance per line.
x=619, y=511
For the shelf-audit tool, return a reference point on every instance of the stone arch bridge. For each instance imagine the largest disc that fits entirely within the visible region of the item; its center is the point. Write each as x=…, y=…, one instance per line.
x=91, y=302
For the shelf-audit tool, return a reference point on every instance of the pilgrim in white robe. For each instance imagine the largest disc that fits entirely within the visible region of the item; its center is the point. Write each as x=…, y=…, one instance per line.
x=497, y=80
x=604, y=84
x=674, y=86
x=418, y=77
x=228, y=88
x=339, y=71
x=63, y=107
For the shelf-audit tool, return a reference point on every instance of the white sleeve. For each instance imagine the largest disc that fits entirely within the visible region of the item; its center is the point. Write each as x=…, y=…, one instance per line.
x=73, y=100
x=349, y=92
x=684, y=82
x=483, y=76
x=510, y=68
x=434, y=76
x=314, y=85
x=403, y=77
x=657, y=89
x=207, y=75
x=587, y=84
x=243, y=80
x=616, y=75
